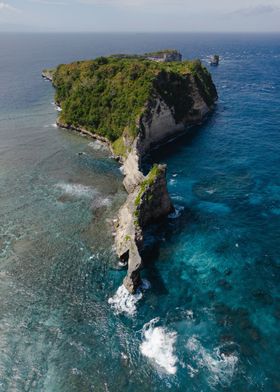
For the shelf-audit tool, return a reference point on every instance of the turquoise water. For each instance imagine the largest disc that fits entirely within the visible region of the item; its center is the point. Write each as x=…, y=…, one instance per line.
x=210, y=320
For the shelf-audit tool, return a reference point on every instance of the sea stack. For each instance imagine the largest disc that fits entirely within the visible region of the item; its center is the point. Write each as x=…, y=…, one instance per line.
x=215, y=60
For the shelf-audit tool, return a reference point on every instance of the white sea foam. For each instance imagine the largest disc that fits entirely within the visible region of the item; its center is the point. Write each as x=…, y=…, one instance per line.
x=145, y=285
x=76, y=190
x=221, y=367
x=50, y=125
x=97, y=145
x=210, y=191
x=178, y=211
x=101, y=202
x=158, y=345
x=124, y=302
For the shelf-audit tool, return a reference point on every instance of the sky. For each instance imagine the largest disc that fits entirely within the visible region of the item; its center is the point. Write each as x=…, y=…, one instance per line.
x=140, y=15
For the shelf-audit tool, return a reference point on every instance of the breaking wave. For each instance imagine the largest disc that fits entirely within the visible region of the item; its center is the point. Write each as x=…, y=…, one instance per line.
x=77, y=190
x=221, y=367
x=98, y=145
x=124, y=302
x=158, y=345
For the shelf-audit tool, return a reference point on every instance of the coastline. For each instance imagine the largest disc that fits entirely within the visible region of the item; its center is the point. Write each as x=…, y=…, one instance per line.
x=84, y=132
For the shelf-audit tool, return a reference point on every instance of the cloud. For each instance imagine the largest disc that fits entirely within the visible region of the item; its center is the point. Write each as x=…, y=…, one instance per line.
x=8, y=7
x=256, y=11
x=135, y=3
x=49, y=2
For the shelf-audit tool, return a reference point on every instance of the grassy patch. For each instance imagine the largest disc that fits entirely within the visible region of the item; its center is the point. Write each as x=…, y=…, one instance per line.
x=119, y=147
x=148, y=181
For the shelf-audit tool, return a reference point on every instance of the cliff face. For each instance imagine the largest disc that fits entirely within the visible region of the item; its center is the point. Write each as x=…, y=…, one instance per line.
x=134, y=104
x=174, y=105
x=171, y=108
x=148, y=202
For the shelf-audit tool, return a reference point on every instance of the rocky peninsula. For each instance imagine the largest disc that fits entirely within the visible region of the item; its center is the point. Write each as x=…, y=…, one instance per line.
x=134, y=103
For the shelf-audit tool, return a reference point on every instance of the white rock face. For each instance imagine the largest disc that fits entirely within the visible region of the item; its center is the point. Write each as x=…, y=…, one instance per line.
x=131, y=169
x=160, y=126
x=125, y=230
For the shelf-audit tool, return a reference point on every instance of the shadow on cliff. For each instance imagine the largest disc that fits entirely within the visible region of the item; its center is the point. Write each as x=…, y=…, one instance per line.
x=172, y=147
x=155, y=236
x=167, y=228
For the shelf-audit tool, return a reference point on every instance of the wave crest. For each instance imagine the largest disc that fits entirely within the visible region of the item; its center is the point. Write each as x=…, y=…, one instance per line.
x=158, y=345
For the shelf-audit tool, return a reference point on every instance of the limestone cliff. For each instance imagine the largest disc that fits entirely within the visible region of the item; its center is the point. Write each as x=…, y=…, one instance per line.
x=173, y=106
x=148, y=202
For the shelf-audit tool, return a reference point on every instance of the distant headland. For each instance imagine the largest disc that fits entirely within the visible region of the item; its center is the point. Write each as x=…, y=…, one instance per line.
x=134, y=103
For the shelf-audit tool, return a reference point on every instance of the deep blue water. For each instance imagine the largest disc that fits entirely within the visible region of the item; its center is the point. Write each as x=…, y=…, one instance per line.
x=215, y=276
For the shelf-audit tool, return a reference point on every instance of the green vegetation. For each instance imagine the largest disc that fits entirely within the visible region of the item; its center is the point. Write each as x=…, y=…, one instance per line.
x=159, y=53
x=147, y=183
x=204, y=81
x=108, y=95
x=119, y=147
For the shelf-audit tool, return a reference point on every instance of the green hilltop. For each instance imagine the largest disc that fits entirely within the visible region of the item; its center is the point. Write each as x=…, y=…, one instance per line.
x=107, y=96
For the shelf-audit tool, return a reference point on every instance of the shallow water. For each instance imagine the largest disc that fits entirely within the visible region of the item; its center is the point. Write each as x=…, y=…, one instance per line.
x=210, y=320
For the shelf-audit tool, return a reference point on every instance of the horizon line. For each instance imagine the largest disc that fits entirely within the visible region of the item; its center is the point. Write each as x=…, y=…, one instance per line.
x=135, y=32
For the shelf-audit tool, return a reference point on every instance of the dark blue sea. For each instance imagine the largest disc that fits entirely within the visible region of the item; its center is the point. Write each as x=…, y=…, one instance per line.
x=210, y=320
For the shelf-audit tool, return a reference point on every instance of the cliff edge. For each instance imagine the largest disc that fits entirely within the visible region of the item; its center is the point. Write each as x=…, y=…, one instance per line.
x=134, y=104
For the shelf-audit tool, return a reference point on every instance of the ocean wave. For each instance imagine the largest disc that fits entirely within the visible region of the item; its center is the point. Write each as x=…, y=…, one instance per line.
x=101, y=202
x=214, y=208
x=221, y=367
x=97, y=145
x=158, y=345
x=124, y=302
x=76, y=190
x=51, y=126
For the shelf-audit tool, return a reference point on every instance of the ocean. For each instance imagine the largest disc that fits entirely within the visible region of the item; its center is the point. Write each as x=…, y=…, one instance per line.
x=208, y=319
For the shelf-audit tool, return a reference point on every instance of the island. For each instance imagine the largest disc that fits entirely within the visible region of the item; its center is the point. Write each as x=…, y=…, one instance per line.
x=134, y=103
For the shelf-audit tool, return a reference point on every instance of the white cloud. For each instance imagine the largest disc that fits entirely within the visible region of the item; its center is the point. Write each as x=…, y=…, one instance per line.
x=49, y=2
x=136, y=3
x=257, y=10
x=8, y=7
x=247, y=7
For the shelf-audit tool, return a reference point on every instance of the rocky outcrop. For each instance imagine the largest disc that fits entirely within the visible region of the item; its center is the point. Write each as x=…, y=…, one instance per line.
x=48, y=74
x=165, y=117
x=165, y=56
x=170, y=98
x=148, y=203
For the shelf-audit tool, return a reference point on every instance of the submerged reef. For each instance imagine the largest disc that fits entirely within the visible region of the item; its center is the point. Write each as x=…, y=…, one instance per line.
x=134, y=103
